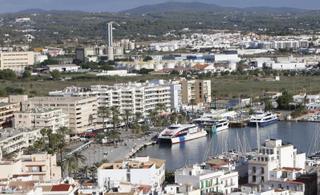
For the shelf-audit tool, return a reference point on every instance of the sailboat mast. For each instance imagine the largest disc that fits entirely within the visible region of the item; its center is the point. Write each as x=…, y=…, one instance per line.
x=258, y=137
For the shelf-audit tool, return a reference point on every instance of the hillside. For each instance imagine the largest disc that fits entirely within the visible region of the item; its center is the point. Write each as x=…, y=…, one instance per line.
x=177, y=7
x=153, y=21
x=204, y=7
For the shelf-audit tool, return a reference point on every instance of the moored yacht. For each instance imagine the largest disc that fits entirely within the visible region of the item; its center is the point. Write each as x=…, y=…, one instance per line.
x=181, y=133
x=263, y=119
x=212, y=125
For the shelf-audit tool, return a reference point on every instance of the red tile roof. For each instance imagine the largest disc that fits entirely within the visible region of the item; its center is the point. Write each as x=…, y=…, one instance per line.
x=60, y=188
x=291, y=169
x=200, y=66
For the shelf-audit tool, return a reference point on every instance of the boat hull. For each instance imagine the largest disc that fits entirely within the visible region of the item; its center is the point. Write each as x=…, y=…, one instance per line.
x=263, y=124
x=221, y=129
x=182, y=139
x=214, y=129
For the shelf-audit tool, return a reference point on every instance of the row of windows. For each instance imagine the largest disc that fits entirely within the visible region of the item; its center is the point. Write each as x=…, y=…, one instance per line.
x=254, y=179
x=254, y=170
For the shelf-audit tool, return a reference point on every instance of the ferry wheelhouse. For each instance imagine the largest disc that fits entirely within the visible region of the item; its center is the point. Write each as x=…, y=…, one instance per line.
x=212, y=125
x=181, y=133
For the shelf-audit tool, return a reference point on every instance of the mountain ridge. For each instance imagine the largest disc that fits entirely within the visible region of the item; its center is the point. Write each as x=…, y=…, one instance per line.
x=203, y=7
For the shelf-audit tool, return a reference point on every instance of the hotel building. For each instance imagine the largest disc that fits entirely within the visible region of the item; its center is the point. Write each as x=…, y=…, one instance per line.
x=82, y=111
x=135, y=97
x=52, y=118
x=16, y=61
x=195, y=91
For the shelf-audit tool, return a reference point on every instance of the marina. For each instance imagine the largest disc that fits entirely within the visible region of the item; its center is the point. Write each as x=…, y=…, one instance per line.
x=303, y=135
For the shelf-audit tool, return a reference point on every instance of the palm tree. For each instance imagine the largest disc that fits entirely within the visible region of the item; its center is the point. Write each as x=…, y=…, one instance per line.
x=182, y=117
x=174, y=117
x=115, y=116
x=114, y=135
x=69, y=165
x=138, y=116
x=85, y=170
x=103, y=112
x=9, y=156
x=61, y=134
x=192, y=102
x=127, y=115
x=153, y=114
x=63, y=131
x=160, y=108
x=90, y=120
x=93, y=171
x=136, y=125
x=73, y=162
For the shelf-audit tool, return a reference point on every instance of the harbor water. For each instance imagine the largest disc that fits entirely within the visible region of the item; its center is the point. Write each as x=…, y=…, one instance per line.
x=304, y=135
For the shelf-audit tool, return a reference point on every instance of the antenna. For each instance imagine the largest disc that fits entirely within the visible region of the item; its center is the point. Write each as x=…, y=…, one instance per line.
x=110, y=40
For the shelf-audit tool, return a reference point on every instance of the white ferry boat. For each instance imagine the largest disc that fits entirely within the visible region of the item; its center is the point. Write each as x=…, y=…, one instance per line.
x=263, y=119
x=212, y=125
x=181, y=133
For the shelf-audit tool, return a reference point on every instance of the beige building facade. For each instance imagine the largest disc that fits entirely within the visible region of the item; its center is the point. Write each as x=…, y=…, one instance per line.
x=35, y=167
x=82, y=111
x=15, y=140
x=16, y=61
x=195, y=91
x=52, y=118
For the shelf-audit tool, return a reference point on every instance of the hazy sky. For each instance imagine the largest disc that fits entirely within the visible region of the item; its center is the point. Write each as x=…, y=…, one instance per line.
x=116, y=5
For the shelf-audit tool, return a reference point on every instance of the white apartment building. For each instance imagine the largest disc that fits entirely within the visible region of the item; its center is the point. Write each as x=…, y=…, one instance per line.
x=7, y=111
x=52, y=118
x=82, y=111
x=16, y=61
x=175, y=189
x=207, y=180
x=14, y=140
x=289, y=66
x=277, y=163
x=64, y=67
x=136, y=97
x=35, y=167
x=136, y=171
x=252, y=190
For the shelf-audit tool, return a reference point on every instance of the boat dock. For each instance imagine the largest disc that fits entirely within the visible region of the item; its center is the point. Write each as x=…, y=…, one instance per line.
x=138, y=148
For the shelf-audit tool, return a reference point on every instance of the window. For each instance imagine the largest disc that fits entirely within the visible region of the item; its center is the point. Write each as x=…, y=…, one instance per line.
x=254, y=169
x=262, y=170
x=262, y=178
x=254, y=179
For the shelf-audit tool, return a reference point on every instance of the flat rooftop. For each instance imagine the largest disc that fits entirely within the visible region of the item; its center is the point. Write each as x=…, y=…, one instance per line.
x=2, y=104
x=58, y=98
x=10, y=132
x=62, y=65
x=133, y=164
x=40, y=110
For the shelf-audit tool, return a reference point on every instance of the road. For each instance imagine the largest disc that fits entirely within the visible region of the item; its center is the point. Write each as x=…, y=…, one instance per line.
x=98, y=152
